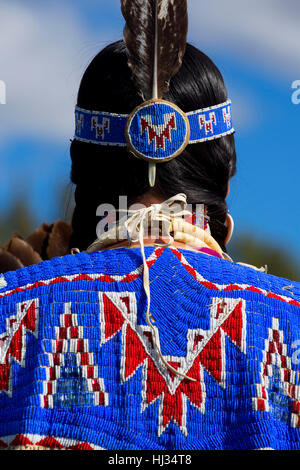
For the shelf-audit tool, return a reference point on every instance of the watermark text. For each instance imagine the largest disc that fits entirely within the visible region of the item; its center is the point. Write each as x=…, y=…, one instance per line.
x=296, y=93
x=2, y=92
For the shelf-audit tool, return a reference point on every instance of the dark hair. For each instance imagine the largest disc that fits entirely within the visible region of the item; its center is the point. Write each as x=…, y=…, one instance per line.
x=101, y=173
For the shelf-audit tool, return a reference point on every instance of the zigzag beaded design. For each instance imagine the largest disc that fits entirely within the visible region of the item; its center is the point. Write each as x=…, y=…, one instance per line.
x=78, y=369
x=157, y=130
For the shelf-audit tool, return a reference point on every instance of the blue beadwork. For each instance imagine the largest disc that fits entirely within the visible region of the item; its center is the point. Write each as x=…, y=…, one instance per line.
x=158, y=131
x=97, y=386
x=110, y=129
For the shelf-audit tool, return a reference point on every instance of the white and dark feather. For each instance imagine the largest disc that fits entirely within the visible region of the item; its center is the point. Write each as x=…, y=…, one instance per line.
x=155, y=36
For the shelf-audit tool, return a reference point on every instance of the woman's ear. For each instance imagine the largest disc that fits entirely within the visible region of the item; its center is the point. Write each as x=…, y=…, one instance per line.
x=229, y=222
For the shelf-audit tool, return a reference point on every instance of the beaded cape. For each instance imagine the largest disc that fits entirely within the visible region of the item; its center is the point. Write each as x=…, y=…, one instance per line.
x=78, y=369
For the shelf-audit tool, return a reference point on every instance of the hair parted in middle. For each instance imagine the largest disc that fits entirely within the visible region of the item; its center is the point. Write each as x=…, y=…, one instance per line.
x=102, y=174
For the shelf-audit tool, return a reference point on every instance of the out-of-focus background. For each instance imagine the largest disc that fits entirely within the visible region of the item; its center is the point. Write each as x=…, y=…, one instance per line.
x=45, y=47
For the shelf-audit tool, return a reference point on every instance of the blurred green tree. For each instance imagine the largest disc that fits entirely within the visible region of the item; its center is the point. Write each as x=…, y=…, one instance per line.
x=280, y=261
x=19, y=219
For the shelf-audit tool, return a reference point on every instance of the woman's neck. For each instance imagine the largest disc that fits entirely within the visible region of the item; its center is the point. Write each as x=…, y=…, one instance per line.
x=151, y=242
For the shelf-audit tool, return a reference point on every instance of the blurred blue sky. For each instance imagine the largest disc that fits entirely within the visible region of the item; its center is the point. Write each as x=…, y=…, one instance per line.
x=46, y=45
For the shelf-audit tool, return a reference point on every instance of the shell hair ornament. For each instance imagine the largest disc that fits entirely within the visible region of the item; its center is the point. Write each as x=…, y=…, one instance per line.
x=157, y=131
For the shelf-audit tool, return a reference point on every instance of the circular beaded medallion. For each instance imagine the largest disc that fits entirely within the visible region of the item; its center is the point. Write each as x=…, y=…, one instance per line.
x=157, y=131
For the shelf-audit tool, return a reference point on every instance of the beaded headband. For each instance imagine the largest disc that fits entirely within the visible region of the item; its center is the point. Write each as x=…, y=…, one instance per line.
x=156, y=131
x=155, y=36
